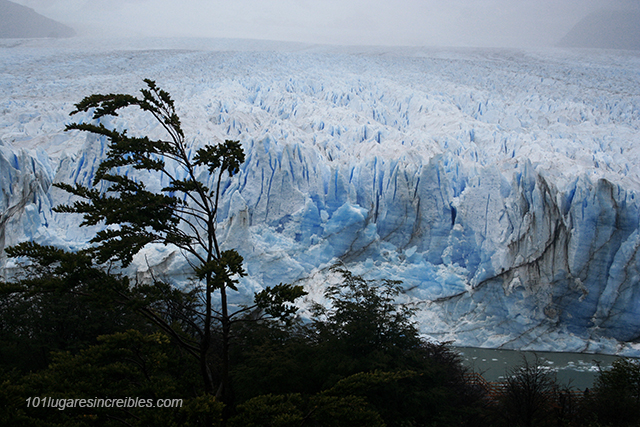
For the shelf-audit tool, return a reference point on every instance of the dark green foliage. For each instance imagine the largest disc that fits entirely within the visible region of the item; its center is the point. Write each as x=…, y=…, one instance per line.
x=183, y=214
x=142, y=216
x=269, y=359
x=363, y=318
x=340, y=406
x=271, y=411
x=293, y=410
x=277, y=301
x=228, y=156
x=615, y=399
x=64, y=301
x=68, y=307
x=530, y=395
x=34, y=325
x=127, y=365
x=529, y=390
x=13, y=411
x=55, y=305
x=363, y=346
x=223, y=270
x=362, y=328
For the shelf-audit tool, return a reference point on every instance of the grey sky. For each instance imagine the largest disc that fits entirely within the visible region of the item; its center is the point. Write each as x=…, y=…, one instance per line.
x=483, y=23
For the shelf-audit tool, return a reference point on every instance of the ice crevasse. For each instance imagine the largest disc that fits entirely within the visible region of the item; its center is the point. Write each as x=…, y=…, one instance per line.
x=500, y=186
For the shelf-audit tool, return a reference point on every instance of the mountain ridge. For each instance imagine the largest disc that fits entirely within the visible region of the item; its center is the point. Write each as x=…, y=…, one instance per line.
x=606, y=29
x=17, y=21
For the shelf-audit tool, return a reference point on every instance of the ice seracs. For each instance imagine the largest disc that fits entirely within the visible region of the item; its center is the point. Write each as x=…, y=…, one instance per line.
x=500, y=186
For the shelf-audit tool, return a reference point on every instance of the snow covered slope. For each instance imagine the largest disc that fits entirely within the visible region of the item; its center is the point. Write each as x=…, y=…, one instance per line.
x=501, y=186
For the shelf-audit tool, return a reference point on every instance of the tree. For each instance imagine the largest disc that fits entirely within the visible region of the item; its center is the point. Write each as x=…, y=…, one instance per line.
x=529, y=391
x=615, y=398
x=363, y=317
x=363, y=345
x=182, y=214
x=342, y=405
x=48, y=310
x=130, y=366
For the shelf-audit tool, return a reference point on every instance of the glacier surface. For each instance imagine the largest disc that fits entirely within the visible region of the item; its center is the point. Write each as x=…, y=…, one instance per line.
x=501, y=186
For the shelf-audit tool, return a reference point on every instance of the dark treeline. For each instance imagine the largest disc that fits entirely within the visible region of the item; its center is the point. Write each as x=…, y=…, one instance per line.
x=359, y=361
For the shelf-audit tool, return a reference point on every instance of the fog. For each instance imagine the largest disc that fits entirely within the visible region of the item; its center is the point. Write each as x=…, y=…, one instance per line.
x=479, y=23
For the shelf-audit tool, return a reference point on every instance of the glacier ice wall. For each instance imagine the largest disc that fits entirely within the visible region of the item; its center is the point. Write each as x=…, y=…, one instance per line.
x=500, y=186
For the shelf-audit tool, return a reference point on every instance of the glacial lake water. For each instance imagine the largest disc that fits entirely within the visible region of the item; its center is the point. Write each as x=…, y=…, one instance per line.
x=578, y=370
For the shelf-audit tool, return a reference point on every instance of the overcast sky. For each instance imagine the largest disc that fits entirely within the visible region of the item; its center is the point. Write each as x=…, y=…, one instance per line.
x=482, y=23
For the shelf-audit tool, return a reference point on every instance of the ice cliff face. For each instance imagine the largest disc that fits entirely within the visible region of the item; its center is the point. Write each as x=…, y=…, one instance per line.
x=501, y=187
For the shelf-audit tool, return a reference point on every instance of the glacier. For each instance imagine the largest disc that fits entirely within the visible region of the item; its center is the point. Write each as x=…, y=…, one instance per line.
x=500, y=186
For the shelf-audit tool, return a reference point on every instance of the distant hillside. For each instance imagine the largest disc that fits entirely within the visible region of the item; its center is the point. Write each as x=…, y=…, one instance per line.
x=17, y=21
x=606, y=29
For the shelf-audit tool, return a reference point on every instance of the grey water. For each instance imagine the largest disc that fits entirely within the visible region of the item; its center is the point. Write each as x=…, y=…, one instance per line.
x=576, y=370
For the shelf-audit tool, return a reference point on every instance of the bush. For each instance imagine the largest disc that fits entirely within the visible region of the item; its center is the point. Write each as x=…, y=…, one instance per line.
x=615, y=399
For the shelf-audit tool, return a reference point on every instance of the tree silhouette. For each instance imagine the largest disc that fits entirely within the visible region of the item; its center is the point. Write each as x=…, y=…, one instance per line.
x=183, y=214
